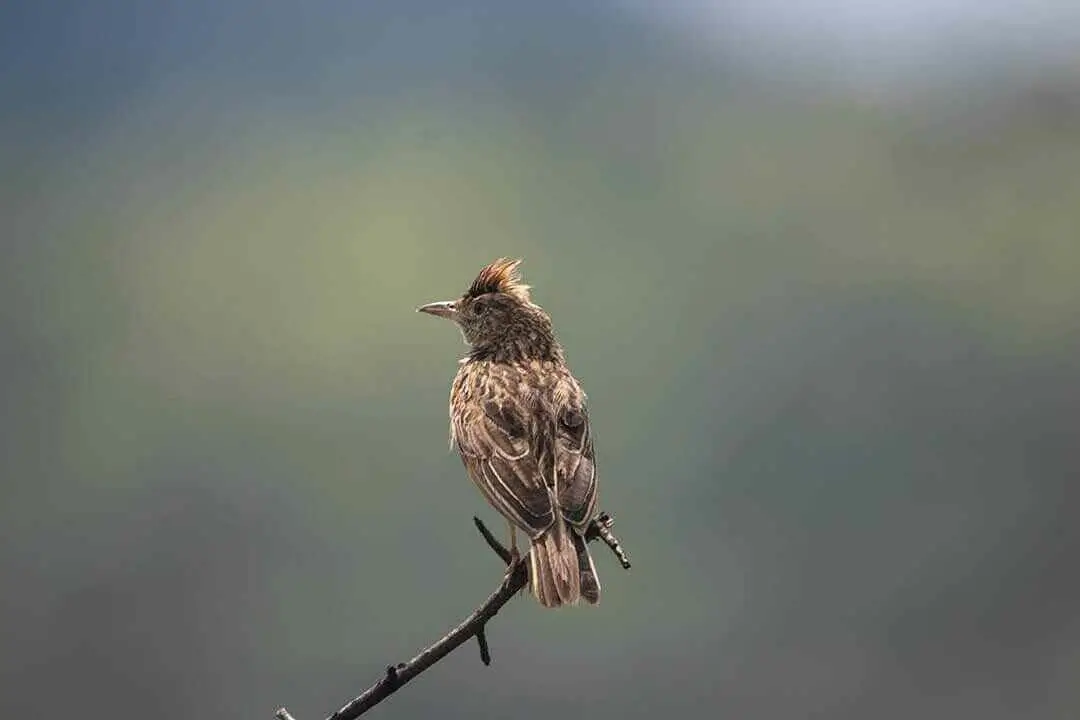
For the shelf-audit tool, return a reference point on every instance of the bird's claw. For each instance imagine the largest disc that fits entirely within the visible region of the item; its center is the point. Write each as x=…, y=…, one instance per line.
x=515, y=559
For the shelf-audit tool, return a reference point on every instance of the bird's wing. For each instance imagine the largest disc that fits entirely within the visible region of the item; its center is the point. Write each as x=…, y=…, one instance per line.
x=575, y=464
x=505, y=452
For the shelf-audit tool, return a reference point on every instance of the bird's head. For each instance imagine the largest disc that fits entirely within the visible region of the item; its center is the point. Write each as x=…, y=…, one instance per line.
x=497, y=316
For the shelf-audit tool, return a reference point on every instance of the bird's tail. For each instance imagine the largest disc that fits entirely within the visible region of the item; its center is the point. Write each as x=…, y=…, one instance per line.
x=561, y=571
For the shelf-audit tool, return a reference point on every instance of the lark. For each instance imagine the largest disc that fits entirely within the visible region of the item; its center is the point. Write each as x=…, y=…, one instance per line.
x=518, y=419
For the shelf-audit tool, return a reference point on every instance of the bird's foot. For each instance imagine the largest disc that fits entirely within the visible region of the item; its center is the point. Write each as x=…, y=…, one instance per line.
x=515, y=559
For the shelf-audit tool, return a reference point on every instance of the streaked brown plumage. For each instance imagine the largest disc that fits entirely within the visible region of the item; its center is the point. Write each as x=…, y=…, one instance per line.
x=519, y=421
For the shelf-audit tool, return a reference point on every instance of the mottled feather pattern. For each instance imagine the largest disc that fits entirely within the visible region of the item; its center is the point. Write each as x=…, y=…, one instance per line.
x=518, y=419
x=522, y=431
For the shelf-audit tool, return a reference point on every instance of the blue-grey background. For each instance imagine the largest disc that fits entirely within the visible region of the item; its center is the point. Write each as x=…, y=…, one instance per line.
x=817, y=267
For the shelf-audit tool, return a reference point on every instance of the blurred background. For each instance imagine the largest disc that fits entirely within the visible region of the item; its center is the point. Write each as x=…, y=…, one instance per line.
x=817, y=267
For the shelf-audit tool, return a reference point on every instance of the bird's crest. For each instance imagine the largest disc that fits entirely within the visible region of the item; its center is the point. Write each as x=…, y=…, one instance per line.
x=501, y=276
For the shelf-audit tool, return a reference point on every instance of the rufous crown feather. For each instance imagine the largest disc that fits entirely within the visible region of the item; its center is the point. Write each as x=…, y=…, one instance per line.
x=501, y=276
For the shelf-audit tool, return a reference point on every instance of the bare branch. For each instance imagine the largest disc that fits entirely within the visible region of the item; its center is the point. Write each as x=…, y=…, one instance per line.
x=601, y=528
x=493, y=543
x=481, y=640
x=473, y=626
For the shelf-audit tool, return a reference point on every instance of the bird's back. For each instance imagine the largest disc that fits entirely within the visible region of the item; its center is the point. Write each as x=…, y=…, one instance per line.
x=523, y=433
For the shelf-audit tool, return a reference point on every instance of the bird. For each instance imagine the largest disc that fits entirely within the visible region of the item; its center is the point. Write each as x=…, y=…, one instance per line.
x=519, y=421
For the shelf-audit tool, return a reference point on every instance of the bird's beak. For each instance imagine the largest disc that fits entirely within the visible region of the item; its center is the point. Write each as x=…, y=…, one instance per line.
x=446, y=309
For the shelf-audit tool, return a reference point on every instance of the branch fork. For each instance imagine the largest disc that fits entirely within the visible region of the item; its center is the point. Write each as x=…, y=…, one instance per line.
x=474, y=625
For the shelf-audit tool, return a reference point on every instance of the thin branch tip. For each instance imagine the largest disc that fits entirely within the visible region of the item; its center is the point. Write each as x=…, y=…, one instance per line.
x=492, y=541
x=601, y=528
x=481, y=640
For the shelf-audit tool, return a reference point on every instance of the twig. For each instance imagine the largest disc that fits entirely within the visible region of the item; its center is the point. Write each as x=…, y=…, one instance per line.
x=481, y=640
x=472, y=626
x=601, y=527
x=493, y=543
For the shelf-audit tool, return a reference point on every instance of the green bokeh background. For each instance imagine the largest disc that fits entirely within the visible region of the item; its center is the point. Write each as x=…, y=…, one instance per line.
x=830, y=339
